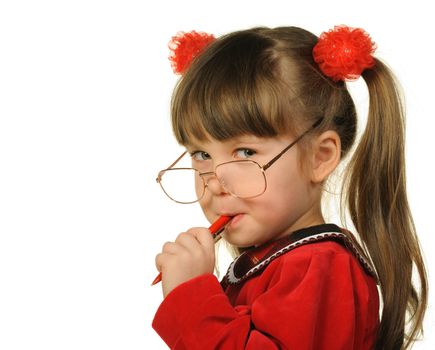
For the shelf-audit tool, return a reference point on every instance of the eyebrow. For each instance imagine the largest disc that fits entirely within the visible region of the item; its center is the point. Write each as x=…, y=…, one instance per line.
x=192, y=147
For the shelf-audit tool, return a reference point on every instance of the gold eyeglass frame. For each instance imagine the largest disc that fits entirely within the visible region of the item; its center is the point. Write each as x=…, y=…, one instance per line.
x=263, y=168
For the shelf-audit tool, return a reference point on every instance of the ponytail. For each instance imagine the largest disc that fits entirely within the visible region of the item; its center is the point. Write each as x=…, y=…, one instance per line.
x=375, y=190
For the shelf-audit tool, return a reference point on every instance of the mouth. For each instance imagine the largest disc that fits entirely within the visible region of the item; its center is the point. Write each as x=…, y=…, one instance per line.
x=236, y=217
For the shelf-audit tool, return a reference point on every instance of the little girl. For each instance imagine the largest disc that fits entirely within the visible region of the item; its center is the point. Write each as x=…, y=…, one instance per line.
x=265, y=117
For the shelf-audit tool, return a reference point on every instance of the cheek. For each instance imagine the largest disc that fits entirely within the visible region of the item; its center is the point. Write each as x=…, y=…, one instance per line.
x=206, y=206
x=199, y=186
x=286, y=181
x=286, y=193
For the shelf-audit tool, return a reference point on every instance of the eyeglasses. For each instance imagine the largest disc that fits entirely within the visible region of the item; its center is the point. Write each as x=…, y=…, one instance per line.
x=241, y=178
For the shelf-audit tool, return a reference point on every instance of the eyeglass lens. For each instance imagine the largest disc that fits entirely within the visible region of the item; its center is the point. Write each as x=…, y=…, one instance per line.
x=242, y=179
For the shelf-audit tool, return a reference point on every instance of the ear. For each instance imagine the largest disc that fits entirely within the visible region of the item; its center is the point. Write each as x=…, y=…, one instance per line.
x=326, y=155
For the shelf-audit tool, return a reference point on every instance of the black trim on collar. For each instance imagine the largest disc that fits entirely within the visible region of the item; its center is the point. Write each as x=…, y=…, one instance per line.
x=256, y=259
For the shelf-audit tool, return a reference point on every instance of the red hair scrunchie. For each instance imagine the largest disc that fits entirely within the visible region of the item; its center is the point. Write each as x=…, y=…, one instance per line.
x=343, y=53
x=184, y=47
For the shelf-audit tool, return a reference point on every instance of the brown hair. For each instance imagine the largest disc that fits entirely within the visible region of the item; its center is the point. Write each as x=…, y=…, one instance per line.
x=264, y=82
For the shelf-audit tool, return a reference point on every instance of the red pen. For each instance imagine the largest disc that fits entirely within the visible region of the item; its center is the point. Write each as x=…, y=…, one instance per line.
x=215, y=229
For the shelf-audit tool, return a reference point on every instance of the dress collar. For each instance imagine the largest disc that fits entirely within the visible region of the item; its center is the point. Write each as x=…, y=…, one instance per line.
x=256, y=259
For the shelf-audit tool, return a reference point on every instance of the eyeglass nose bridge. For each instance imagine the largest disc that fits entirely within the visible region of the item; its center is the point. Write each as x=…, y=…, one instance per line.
x=210, y=174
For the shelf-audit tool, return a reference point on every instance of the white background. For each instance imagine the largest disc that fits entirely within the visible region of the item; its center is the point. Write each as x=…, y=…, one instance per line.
x=84, y=96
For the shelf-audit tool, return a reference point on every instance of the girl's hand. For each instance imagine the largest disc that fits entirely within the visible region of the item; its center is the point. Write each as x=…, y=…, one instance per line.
x=192, y=254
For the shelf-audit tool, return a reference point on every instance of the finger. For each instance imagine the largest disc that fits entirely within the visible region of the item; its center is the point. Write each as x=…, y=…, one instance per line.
x=158, y=262
x=203, y=236
x=187, y=240
x=170, y=248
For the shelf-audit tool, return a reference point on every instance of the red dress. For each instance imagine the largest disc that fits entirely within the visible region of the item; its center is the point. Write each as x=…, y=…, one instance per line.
x=311, y=290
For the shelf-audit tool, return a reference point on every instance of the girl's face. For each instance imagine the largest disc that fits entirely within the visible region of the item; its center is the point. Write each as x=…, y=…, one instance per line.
x=290, y=202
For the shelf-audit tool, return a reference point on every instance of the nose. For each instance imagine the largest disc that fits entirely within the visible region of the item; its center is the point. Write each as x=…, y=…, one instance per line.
x=214, y=184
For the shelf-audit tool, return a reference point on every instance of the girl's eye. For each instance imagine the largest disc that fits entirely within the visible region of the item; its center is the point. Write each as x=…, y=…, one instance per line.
x=245, y=153
x=200, y=155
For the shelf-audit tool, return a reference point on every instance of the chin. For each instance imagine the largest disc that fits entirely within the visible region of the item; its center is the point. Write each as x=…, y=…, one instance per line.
x=234, y=242
x=240, y=243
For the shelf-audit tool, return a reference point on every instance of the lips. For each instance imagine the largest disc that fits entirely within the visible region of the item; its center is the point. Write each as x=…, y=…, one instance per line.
x=235, y=215
x=235, y=219
x=228, y=213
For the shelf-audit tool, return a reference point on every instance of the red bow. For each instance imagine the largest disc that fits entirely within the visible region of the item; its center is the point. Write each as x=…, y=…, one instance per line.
x=344, y=53
x=185, y=47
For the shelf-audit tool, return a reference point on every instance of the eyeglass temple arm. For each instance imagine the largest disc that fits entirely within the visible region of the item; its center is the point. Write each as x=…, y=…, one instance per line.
x=170, y=167
x=315, y=125
x=177, y=160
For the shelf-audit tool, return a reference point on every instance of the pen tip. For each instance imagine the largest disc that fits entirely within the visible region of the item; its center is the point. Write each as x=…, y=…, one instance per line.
x=156, y=280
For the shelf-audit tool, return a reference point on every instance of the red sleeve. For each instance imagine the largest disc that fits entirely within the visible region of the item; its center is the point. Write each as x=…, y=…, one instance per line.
x=311, y=299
